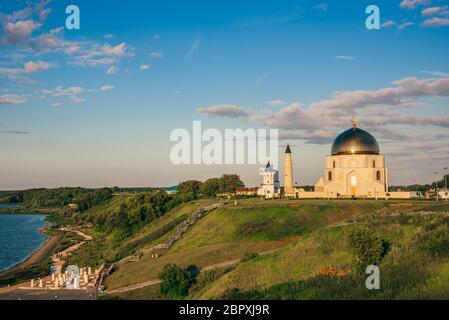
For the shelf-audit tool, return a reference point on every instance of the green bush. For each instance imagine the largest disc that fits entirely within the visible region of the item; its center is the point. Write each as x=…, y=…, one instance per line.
x=436, y=243
x=368, y=248
x=176, y=281
x=250, y=255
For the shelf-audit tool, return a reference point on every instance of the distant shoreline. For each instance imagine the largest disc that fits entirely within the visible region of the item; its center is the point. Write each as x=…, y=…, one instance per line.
x=24, y=210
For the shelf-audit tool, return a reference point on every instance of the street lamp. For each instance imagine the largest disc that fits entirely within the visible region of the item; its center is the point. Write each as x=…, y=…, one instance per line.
x=436, y=185
x=445, y=183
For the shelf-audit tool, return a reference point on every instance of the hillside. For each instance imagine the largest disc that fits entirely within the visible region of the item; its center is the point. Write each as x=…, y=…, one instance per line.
x=303, y=251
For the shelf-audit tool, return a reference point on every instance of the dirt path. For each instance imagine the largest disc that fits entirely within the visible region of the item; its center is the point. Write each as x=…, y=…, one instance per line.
x=154, y=282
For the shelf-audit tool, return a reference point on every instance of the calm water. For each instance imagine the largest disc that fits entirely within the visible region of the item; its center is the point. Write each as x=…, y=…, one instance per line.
x=9, y=206
x=19, y=237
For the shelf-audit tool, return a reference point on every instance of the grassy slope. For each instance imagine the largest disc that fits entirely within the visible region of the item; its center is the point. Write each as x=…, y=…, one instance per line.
x=229, y=232
x=102, y=248
x=294, y=272
x=309, y=236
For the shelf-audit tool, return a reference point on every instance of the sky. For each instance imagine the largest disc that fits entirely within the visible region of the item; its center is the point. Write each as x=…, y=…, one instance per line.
x=96, y=106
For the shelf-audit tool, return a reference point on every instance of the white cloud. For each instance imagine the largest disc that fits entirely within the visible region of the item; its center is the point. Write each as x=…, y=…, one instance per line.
x=434, y=10
x=118, y=50
x=225, y=110
x=11, y=99
x=436, y=22
x=13, y=132
x=276, y=103
x=18, y=32
x=388, y=24
x=94, y=55
x=321, y=7
x=145, y=67
x=262, y=78
x=193, y=48
x=157, y=55
x=29, y=68
x=412, y=4
x=436, y=73
x=109, y=36
x=156, y=37
x=77, y=99
x=376, y=106
x=343, y=58
x=32, y=66
x=406, y=24
x=72, y=92
x=107, y=88
x=112, y=70
x=60, y=91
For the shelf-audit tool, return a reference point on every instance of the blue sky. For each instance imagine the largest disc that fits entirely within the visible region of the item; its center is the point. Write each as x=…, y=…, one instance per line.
x=95, y=106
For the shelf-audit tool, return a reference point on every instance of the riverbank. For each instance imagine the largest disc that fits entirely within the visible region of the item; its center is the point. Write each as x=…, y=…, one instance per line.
x=37, y=264
x=25, y=210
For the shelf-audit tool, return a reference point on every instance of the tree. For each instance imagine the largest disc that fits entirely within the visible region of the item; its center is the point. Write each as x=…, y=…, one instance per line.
x=229, y=183
x=175, y=281
x=368, y=248
x=210, y=187
x=190, y=187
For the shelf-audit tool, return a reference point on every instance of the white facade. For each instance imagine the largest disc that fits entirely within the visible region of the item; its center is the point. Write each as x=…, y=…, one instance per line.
x=270, y=183
x=354, y=176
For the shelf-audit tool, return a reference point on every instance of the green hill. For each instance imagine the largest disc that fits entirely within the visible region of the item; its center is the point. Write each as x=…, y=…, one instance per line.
x=303, y=251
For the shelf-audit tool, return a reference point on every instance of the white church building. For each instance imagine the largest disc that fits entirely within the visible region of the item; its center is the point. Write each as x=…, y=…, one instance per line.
x=270, y=188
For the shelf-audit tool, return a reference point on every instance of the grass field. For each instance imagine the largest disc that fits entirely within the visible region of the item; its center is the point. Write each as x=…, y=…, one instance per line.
x=308, y=237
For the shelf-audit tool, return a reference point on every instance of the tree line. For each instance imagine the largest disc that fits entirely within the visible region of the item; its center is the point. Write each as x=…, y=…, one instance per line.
x=226, y=184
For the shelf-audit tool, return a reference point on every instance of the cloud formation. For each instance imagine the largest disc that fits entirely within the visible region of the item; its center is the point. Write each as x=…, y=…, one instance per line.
x=107, y=88
x=435, y=10
x=13, y=132
x=348, y=58
x=112, y=70
x=321, y=7
x=388, y=24
x=377, y=107
x=436, y=22
x=405, y=25
x=412, y=4
x=193, y=48
x=156, y=55
x=225, y=110
x=11, y=99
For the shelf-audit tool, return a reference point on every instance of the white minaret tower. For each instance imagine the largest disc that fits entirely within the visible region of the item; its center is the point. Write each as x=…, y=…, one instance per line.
x=288, y=173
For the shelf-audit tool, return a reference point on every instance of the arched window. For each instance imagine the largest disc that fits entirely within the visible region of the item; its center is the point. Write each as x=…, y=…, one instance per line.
x=329, y=176
x=333, y=164
x=374, y=163
x=378, y=175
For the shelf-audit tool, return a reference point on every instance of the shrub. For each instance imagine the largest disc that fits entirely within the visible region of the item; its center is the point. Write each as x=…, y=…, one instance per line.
x=436, y=243
x=176, y=281
x=249, y=255
x=367, y=247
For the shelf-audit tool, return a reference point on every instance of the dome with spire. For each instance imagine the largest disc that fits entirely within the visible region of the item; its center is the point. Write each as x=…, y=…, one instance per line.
x=355, y=141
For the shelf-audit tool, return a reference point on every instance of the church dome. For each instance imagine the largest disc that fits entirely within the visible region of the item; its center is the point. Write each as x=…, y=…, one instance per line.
x=355, y=141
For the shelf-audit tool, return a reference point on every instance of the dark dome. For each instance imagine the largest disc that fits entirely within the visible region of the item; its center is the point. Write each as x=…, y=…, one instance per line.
x=355, y=141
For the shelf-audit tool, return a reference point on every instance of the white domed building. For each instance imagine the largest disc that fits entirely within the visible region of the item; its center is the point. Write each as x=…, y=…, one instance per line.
x=355, y=168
